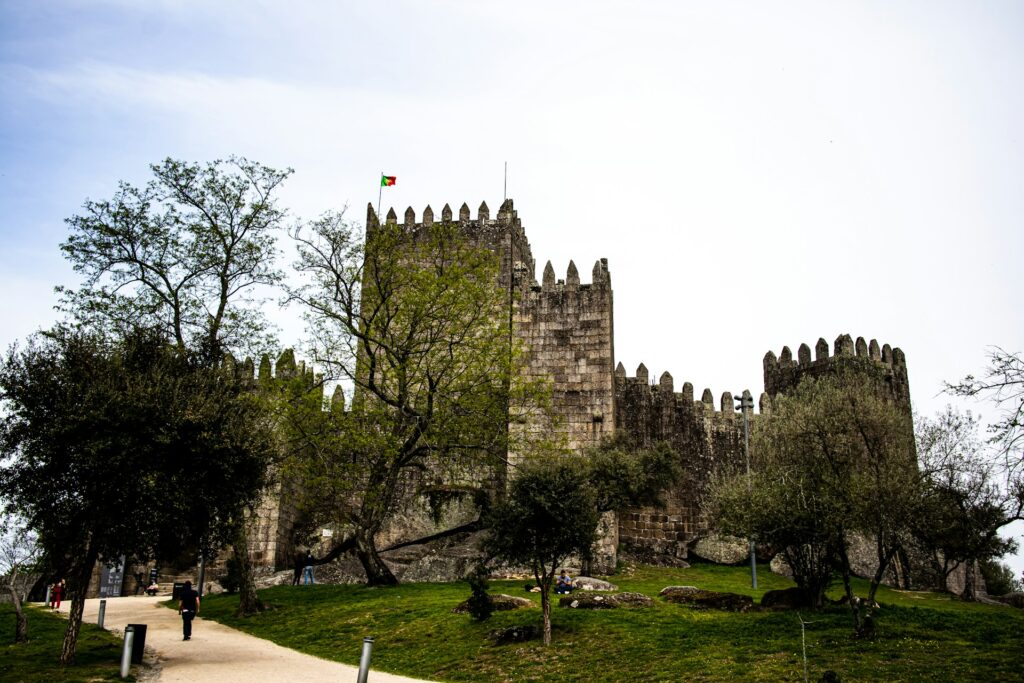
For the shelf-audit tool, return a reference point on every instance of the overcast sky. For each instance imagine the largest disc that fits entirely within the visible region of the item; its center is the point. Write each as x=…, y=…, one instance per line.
x=757, y=174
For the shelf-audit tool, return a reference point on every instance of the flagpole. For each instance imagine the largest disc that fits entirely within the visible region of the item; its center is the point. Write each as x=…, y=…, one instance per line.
x=380, y=191
x=505, y=189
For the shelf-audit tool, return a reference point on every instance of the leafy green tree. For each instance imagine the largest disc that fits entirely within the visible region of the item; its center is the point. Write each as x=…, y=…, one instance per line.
x=1003, y=383
x=19, y=551
x=965, y=498
x=549, y=514
x=835, y=457
x=999, y=578
x=125, y=448
x=413, y=320
x=186, y=254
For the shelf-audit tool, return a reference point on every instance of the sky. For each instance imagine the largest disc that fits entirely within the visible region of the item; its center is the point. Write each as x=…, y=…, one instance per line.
x=757, y=174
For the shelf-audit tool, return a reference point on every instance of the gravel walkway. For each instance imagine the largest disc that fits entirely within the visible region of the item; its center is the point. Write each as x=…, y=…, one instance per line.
x=216, y=653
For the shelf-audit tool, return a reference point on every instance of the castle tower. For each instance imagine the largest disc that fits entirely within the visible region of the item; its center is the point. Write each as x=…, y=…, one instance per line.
x=565, y=325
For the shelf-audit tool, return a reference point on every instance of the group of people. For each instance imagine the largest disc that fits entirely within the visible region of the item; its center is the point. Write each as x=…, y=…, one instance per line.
x=304, y=568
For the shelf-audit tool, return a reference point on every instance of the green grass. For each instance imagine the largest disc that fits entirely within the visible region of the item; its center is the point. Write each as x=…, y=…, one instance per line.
x=98, y=657
x=921, y=636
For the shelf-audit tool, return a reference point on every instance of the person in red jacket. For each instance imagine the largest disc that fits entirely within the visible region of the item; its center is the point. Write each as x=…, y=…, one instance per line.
x=55, y=594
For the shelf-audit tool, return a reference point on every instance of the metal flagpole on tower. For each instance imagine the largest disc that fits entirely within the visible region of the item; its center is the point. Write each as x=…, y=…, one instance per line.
x=505, y=189
x=380, y=191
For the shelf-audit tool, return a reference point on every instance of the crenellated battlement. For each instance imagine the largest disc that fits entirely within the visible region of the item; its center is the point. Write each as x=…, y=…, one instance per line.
x=665, y=388
x=483, y=228
x=783, y=372
x=600, y=278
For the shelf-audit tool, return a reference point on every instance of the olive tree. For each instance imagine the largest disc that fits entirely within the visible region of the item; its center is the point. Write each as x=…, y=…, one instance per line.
x=835, y=457
x=412, y=319
x=117, y=447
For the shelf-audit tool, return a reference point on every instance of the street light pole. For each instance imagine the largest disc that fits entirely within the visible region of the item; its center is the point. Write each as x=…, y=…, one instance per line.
x=745, y=404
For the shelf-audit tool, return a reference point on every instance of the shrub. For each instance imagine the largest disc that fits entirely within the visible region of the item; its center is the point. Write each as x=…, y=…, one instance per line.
x=480, y=606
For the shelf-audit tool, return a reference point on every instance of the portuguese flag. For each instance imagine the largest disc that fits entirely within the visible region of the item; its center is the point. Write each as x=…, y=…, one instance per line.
x=387, y=180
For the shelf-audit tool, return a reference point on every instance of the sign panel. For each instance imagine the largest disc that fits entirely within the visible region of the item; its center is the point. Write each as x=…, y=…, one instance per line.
x=111, y=579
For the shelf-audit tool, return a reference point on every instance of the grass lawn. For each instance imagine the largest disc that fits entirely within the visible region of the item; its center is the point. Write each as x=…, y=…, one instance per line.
x=98, y=657
x=921, y=636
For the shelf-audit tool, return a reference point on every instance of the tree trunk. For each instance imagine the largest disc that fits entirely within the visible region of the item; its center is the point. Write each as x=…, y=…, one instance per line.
x=969, y=593
x=20, y=623
x=80, y=586
x=377, y=573
x=545, y=605
x=851, y=600
x=248, y=602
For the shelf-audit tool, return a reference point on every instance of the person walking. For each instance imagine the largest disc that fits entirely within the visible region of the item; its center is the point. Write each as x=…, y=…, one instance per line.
x=55, y=593
x=300, y=562
x=309, y=569
x=188, y=608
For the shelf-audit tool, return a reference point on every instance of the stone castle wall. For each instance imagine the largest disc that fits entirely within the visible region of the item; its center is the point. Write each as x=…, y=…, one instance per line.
x=705, y=436
x=566, y=328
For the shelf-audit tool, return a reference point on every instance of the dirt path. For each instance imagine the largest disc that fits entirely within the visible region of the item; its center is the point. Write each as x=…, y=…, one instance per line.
x=216, y=653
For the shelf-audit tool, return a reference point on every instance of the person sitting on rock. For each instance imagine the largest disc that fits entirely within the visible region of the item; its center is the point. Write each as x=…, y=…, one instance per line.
x=564, y=585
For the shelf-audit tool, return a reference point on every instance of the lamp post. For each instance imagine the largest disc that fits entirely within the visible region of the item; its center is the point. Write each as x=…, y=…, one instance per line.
x=745, y=404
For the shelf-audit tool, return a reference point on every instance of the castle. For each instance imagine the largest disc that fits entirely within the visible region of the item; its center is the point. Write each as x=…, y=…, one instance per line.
x=567, y=329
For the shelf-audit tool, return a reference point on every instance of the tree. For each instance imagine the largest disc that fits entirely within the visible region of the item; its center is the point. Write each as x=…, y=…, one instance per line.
x=19, y=550
x=965, y=501
x=1003, y=384
x=185, y=254
x=834, y=457
x=549, y=514
x=413, y=320
x=124, y=447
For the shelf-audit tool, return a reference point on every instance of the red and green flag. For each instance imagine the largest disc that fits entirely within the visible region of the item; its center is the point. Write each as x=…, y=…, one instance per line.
x=387, y=180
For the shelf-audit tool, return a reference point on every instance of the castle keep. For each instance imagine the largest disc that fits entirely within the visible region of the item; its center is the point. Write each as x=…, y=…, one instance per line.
x=567, y=329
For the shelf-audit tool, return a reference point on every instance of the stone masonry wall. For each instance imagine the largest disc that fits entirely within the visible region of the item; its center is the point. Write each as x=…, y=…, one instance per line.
x=566, y=328
x=706, y=439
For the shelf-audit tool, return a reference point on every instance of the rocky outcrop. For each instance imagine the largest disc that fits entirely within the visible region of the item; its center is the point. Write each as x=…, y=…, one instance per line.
x=588, y=583
x=788, y=598
x=500, y=602
x=1015, y=599
x=722, y=549
x=514, y=634
x=704, y=599
x=779, y=566
x=591, y=601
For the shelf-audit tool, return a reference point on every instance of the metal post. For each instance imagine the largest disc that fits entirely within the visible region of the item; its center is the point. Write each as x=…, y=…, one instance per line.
x=202, y=572
x=47, y=595
x=126, y=653
x=746, y=402
x=103, y=613
x=364, y=661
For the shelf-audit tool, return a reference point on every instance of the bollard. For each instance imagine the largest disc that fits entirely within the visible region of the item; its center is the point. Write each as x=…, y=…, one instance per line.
x=103, y=613
x=364, y=661
x=47, y=596
x=126, y=654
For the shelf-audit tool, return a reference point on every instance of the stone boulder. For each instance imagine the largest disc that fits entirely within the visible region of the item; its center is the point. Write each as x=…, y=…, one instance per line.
x=788, y=598
x=1015, y=599
x=722, y=549
x=514, y=634
x=704, y=599
x=591, y=601
x=587, y=583
x=779, y=566
x=500, y=602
